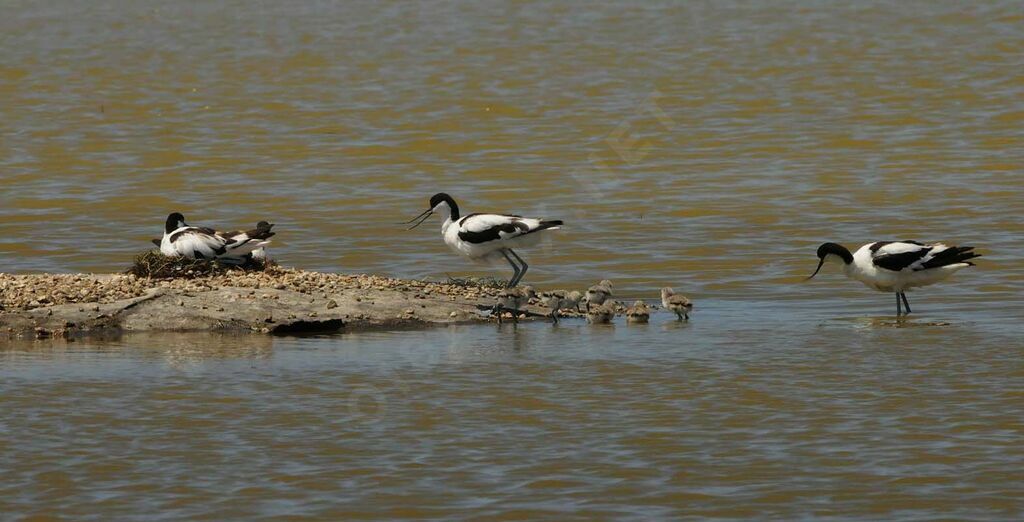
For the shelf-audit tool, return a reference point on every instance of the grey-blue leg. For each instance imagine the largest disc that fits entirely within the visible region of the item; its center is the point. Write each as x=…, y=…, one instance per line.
x=515, y=276
x=522, y=268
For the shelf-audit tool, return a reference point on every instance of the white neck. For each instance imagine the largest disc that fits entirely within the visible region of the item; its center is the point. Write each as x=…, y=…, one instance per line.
x=446, y=212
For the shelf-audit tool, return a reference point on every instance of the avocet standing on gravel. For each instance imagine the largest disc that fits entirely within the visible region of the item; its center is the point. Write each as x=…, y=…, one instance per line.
x=485, y=236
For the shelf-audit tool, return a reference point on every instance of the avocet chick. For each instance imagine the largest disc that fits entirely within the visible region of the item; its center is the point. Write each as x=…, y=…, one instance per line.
x=572, y=300
x=639, y=313
x=676, y=303
x=601, y=314
x=512, y=299
x=553, y=301
x=599, y=293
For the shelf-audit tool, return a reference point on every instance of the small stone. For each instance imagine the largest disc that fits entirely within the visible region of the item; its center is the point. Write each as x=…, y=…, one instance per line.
x=332, y=304
x=453, y=315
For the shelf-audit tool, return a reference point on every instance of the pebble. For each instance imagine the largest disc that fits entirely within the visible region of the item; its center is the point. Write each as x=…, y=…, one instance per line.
x=22, y=292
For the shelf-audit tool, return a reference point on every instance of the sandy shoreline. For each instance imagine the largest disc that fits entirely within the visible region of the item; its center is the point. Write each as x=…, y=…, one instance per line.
x=277, y=301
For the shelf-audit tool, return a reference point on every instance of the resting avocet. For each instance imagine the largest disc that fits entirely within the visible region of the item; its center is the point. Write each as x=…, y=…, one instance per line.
x=898, y=266
x=675, y=303
x=179, y=239
x=260, y=253
x=485, y=236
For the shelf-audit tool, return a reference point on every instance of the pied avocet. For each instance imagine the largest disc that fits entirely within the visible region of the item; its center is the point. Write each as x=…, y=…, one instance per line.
x=180, y=239
x=898, y=266
x=485, y=236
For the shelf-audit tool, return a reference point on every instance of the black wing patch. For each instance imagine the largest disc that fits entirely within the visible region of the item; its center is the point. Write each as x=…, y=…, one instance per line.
x=897, y=262
x=463, y=219
x=174, y=237
x=950, y=256
x=494, y=233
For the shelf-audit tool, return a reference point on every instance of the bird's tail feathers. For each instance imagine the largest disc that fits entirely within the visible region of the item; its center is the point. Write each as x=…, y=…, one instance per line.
x=262, y=231
x=243, y=247
x=951, y=256
x=546, y=224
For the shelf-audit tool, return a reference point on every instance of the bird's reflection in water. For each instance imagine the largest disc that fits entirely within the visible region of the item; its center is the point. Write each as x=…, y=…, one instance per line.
x=902, y=321
x=674, y=324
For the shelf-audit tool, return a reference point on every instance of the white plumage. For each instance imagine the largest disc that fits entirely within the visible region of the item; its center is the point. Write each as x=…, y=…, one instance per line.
x=486, y=236
x=898, y=266
x=180, y=239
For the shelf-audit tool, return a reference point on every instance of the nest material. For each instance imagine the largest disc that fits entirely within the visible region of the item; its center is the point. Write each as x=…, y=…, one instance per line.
x=154, y=265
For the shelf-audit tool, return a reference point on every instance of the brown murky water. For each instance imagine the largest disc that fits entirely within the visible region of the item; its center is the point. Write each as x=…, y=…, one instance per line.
x=707, y=145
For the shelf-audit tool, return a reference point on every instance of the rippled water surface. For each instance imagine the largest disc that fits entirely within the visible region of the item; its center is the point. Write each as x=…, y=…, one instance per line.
x=797, y=413
x=706, y=145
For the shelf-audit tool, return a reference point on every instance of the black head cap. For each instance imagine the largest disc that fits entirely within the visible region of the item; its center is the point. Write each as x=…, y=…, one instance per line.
x=442, y=197
x=831, y=248
x=835, y=249
x=174, y=221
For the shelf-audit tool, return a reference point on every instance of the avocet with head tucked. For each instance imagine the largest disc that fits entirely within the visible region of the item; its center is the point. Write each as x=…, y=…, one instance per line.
x=180, y=239
x=897, y=266
x=486, y=236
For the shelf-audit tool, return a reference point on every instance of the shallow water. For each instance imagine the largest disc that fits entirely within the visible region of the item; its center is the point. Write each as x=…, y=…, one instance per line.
x=745, y=411
x=710, y=146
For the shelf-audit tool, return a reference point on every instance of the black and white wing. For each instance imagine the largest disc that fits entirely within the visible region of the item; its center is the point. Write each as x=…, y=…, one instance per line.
x=483, y=228
x=903, y=255
x=197, y=243
x=239, y=243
